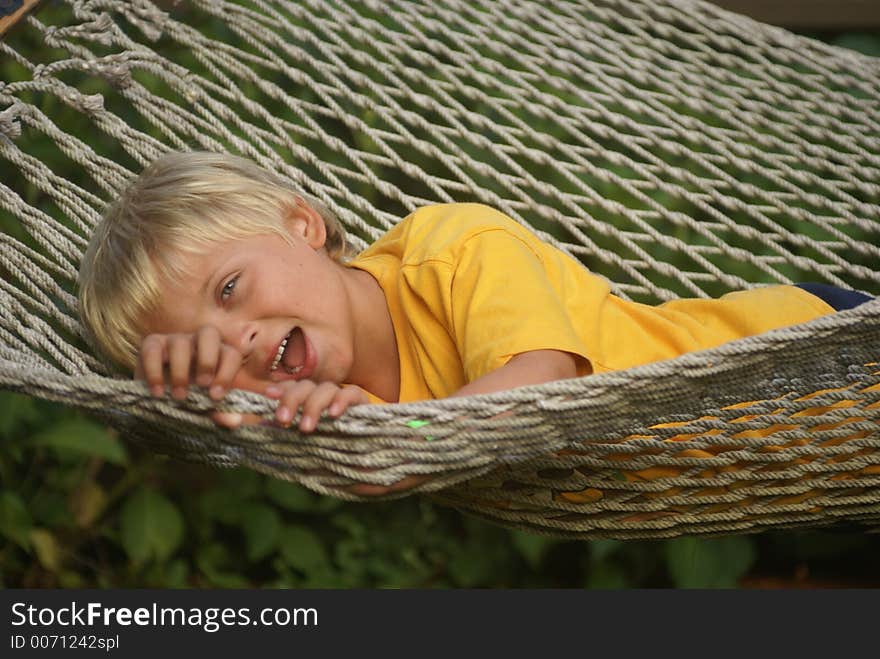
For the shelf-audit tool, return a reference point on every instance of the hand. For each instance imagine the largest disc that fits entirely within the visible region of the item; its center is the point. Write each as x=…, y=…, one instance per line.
x=314, y=398
x=201, y=357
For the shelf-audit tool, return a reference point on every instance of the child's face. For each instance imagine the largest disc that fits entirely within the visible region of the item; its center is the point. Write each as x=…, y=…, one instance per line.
x=258, y=291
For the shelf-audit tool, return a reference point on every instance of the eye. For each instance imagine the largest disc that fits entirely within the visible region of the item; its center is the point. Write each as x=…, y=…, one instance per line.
x=228, y=288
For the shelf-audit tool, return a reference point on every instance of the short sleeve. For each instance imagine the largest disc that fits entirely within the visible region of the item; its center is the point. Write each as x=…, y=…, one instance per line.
x=504, y=302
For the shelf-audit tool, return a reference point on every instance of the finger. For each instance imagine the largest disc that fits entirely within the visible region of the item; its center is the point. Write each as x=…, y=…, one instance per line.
x=317, y=401
x=293, y=396
x=230, y=363
x=180, y=355
x=233, y=420
x=373, y=490
x=207, y=354
x=151, y=362
x=370, y=490
x=345, y=398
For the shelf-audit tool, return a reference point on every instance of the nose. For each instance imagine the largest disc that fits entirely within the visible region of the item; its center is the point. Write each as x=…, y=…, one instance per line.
x=246, y=339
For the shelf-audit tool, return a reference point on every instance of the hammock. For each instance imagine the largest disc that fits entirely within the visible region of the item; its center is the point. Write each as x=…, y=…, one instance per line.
x=676, y=148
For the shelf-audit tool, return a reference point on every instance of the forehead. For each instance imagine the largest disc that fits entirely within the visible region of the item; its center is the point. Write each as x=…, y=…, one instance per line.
x=190, y=266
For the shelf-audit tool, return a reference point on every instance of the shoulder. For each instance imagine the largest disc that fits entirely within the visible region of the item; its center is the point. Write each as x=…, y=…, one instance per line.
x=460, y=219
x=446, y=233
x=440, y=232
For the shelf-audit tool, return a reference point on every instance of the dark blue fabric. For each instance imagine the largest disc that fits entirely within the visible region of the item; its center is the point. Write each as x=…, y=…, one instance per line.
x=838, y=298
x=8, y=7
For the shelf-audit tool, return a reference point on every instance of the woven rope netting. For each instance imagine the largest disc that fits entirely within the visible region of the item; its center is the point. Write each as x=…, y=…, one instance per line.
x=678, y=149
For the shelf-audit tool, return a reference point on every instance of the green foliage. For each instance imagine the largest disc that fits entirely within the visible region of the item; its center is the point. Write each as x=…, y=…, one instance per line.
x=15, y=521
x=77, y=436
x=75, y=513
x=867, y=43
x=151, y=527
x=715, y=563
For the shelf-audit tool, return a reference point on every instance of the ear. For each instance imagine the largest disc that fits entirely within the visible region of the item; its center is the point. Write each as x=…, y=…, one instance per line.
x=306, y=223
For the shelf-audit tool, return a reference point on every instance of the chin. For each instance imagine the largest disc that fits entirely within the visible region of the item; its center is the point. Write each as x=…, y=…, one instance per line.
x=339, y=372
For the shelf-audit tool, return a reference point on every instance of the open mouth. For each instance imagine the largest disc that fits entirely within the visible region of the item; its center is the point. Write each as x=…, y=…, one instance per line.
x=291, y=354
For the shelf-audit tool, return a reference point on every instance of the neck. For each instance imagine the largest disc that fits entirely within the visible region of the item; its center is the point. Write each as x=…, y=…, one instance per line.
x=376, y=365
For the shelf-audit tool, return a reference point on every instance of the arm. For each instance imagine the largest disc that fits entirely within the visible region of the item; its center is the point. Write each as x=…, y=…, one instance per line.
x=533, y=367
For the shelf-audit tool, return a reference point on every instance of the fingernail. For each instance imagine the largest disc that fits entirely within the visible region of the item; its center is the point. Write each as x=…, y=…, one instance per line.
x=216, y=392
x=179, y=392
x=283, y=415
x=273, y=390
x=334, y=409
x=203, y=380
x=157, y=390
x=307, y=424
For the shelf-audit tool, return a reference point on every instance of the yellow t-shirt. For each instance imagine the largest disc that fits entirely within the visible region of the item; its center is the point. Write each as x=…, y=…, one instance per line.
x=468, y=288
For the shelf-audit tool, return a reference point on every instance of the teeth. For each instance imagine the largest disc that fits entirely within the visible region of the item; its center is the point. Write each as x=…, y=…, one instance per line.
x=277, y=361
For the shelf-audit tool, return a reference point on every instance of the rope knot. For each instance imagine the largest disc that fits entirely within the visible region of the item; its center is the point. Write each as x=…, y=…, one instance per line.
x=86, y=104
x=148, y=18
x=9, y=126
x=103, y=23
x=116, y=69
x=91, y=103
x=98, y=29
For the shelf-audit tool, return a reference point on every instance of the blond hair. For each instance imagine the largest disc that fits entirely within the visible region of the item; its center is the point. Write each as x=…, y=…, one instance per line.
x=182, y=203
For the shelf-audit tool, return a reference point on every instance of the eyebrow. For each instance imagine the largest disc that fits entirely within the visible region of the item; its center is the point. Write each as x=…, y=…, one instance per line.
x=206, y=283
x=224, y=266
x=213, y=277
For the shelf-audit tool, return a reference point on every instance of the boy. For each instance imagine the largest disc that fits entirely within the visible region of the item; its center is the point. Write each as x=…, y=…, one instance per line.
x=210, y=270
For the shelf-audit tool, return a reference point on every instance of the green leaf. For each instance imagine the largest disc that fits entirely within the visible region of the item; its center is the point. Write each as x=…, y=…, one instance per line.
x=350, y=555
x=15, y=410
x=176, y=573
x=352, y=525
x=262, y=527
x=603, y=548
x=607, y=576
x=152, y=527
x=15, y=521
x=302, y=549
x=472, y=567
x=244, y=482
x=291, y=496
x=531, y=546
x=70, y=579
x=50, y=508
x=212, y=560
x=222, y=504
x=84, y=437
x=46, y=548
x=87, y=502
x=709, y=563
x=173, y=574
